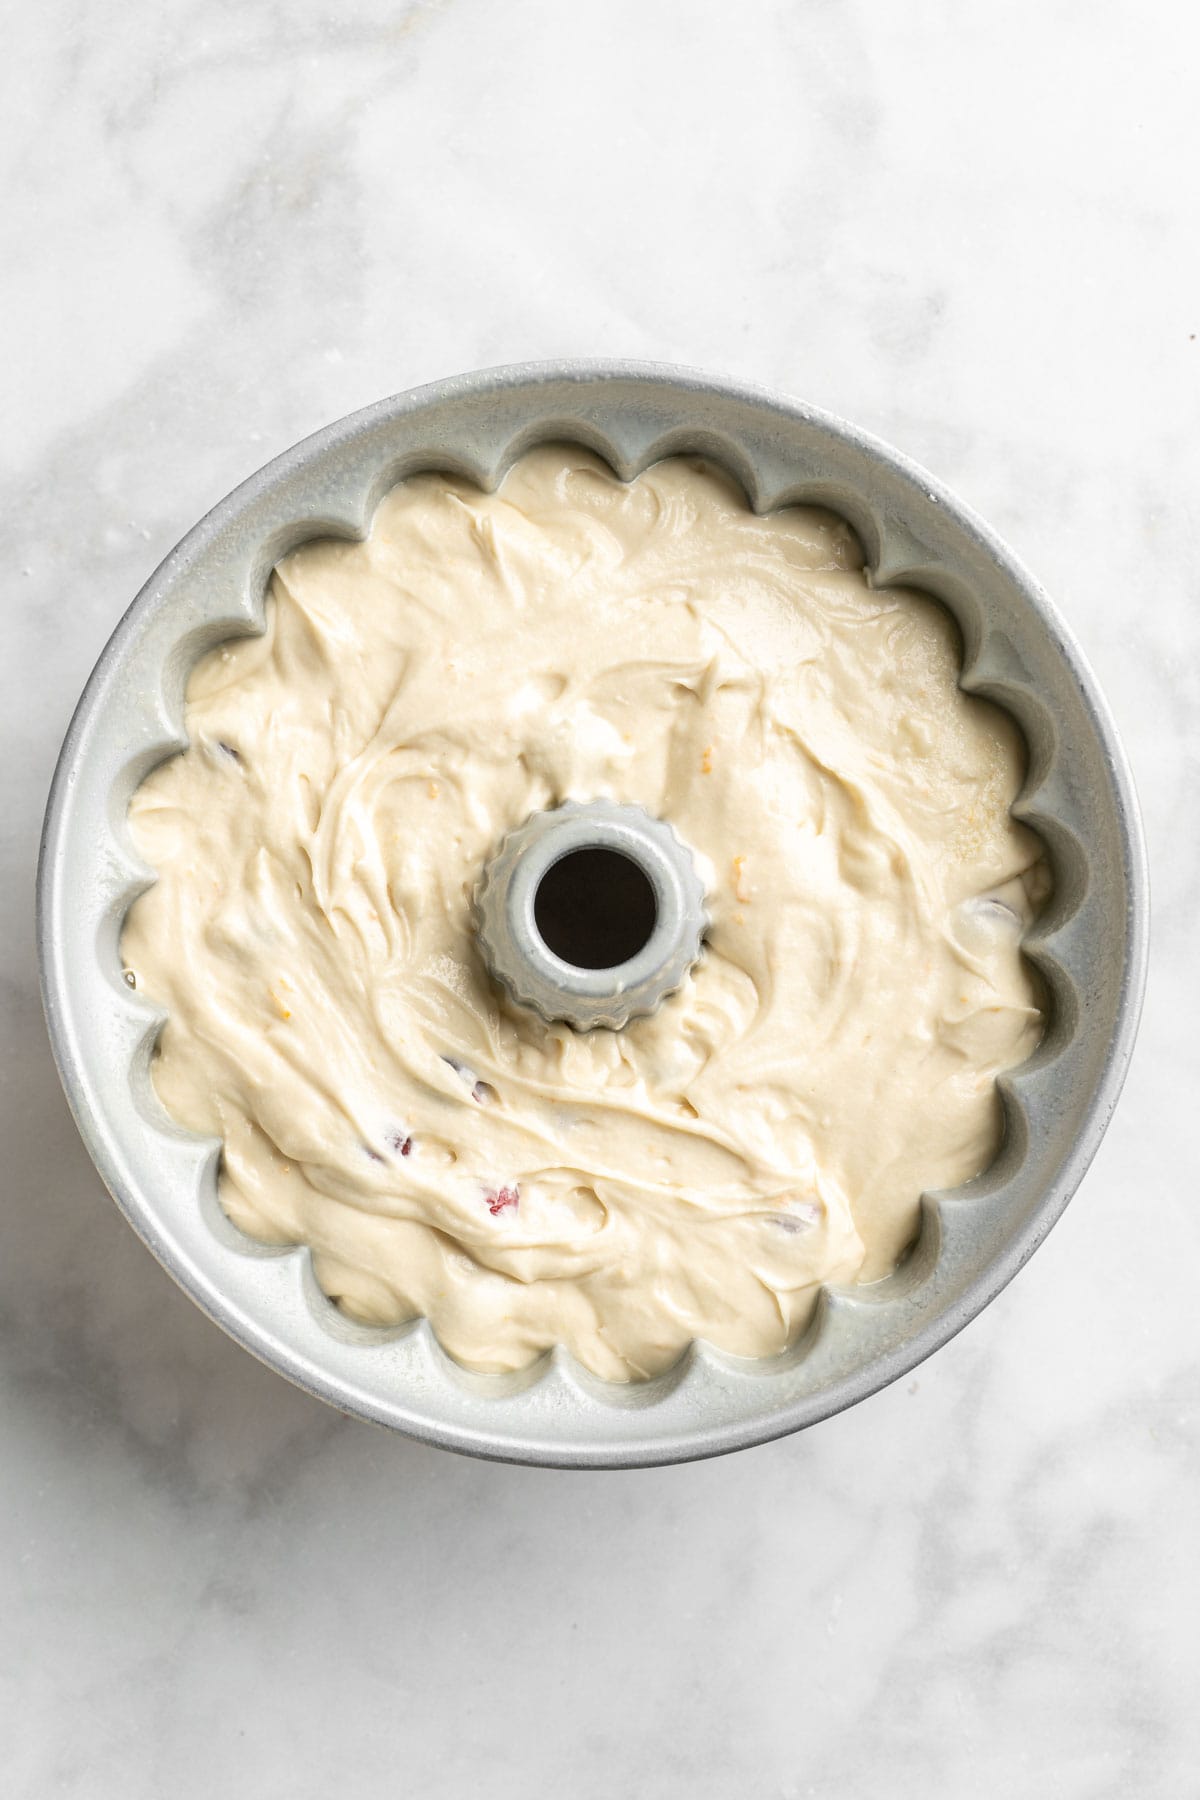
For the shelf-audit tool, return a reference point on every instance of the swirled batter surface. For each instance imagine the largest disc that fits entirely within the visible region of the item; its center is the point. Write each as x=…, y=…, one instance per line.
x=416, y=696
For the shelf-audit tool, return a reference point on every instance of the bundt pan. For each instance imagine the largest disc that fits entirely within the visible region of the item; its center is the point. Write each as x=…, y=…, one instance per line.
x=1090, y=944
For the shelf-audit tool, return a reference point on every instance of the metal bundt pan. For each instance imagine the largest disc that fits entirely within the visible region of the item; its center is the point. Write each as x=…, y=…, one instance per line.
x=1090, y=945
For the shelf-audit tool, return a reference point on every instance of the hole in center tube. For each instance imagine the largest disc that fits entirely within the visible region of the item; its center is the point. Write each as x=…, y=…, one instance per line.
x=595, y=908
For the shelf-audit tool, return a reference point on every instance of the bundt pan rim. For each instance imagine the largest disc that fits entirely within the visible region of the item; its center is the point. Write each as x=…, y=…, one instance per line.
x=1091, y=947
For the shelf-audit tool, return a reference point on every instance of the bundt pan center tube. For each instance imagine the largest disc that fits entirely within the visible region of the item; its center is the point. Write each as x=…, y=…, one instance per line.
x=626, y=931
x=646, y=926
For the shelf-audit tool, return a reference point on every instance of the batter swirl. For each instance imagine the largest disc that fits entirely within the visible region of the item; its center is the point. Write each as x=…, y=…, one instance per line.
x=414, y=698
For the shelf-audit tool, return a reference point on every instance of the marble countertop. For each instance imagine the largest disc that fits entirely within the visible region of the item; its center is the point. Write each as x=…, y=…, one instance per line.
x=972, y=230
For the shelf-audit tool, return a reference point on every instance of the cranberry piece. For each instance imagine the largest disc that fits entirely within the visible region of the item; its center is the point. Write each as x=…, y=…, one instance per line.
x=502, y=1198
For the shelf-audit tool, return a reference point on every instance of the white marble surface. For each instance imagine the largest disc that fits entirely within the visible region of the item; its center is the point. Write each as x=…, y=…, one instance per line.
x=970, y=228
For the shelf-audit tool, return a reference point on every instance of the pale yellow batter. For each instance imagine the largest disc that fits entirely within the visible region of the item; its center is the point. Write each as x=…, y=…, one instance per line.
x=415, y=697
